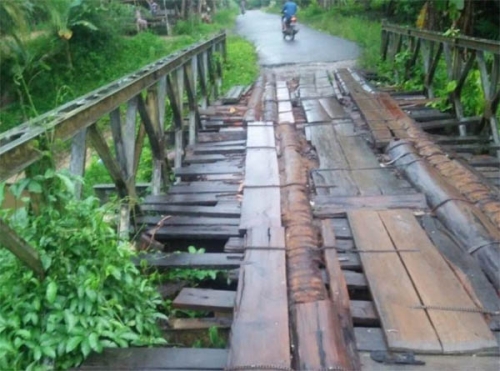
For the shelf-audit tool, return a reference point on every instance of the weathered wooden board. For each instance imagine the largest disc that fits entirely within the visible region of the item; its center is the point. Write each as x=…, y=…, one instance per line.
x=225, y=167
x=437, y=285
x=199, y=323
x=222, y=134
x=363, y=314
x=222, y=232
x=223, y=143
x=185, y=220
x=203, y=159
x=261, y=310
x=260, y=206
x=433, y=362
x=234, y=244
x=333, y=108
x=392, y=288
x=315, y=112
x=261, y=167
x=224, y=150
x=205, y=199
x=204, y=187
x=210, y=211
x=156, y=359
x=205, y=299
x=193, y=261
x=260, y=134
x=317, y=346
x=329, y=206
x=233, y=95
x=466, y=268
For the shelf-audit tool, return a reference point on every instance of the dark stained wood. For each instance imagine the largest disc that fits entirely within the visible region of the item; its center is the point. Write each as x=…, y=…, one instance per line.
x=329, y=206
x=222, y=134
x=225, y=167
x=222, y=232
x=205, y=300
x=261, y=310
x=391, y=287
x=215, y=211
x=437, y=285
x=204, y=187
x=474, y=280
x=207, y=150
x=439, y=124
x=204, y=199
x=193, y=261
x=199, y=323
x=363, y=314
x=319, y=343
x=185, y=220
x=433, y=362
x=338, y=290
x=156, y=359
x=203, y=159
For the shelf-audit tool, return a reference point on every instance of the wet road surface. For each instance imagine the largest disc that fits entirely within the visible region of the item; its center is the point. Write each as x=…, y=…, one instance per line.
x=309, y=46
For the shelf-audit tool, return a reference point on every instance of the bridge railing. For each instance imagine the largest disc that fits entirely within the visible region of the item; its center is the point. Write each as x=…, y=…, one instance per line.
x=184, y=79
x=461, y=55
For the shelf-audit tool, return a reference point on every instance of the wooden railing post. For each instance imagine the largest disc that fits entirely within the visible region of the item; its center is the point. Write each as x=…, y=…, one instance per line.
x=190, y=85
x=78, y=158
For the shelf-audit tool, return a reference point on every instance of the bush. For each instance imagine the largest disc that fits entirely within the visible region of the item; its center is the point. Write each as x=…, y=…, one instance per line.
x=92, y=295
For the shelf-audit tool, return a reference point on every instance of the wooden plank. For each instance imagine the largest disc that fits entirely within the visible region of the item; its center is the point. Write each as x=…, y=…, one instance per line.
x=338, y=290
x=319, y=344
x=206, y=150
x=355, y=280
x=333, y=108
x=392, y=288
x=260, y=136
x=315, y=112
x=363, y=313
x=223, y=143
x=185, y=220
x=203, y=159
x=179, y=324
x=260, y=206
x=433, y=362
x=437, y=285
x=329, y=206
x=204, y=199
x=192, y=261
x=204, y=187
x=205, y=300
x=261, y=310
x=233, y=95
x=156, y=359
x=258, y=175
x=370, y=339
x=222, y=134
x=206, y=169
x=222, y=232
x=234, y=244
x=466, y=268
x=210, y=211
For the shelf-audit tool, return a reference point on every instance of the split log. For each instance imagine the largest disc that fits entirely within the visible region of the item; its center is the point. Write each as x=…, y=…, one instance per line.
x=475, y=232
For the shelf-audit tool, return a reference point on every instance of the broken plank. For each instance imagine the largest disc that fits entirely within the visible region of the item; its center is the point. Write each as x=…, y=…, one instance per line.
x=210, y=211
x=261, y=309
x=330, y=206
x=205, y=300
x=156, y=359
x=392, y=288
x=204, y=187
x=192, y=261
x=438, y=286
x=234, y=244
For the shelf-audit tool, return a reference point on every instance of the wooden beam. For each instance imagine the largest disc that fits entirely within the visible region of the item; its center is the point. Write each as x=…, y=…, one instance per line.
x=21, y=249
x=78, y=158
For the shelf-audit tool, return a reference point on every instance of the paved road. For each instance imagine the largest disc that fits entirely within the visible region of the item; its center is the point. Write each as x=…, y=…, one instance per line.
x=264, y=30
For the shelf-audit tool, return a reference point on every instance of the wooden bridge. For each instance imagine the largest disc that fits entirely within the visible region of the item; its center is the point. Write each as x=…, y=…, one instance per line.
x=355, y=234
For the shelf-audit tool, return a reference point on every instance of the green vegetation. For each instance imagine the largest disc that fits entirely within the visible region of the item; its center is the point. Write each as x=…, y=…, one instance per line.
x=92, y=295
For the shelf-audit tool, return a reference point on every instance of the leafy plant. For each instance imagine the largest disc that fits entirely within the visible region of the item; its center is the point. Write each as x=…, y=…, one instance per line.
x=92, y=295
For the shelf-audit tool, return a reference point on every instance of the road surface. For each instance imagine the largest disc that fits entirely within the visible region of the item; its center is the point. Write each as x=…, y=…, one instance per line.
x=264, y=30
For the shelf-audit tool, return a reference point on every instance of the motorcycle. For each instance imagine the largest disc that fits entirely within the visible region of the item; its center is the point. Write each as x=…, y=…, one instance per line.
x=290, y=29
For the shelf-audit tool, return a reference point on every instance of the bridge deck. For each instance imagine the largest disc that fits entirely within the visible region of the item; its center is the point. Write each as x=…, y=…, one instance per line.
x=390, y=274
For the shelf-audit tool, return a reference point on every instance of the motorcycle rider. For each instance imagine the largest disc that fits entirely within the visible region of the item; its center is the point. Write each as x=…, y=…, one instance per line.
x=288, y=11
